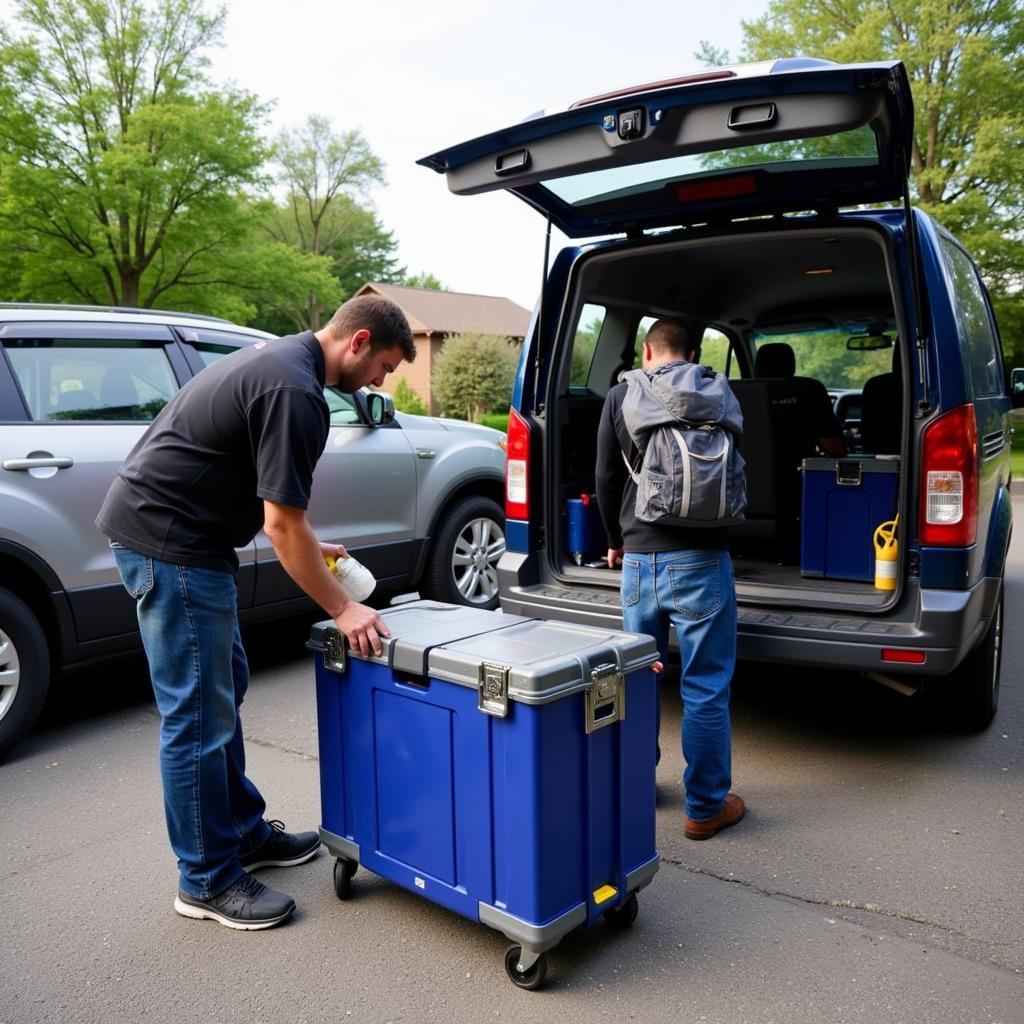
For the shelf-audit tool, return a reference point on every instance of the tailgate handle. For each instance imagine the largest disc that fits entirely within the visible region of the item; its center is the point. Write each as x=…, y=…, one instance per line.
x=760, y=116
x=509, y=163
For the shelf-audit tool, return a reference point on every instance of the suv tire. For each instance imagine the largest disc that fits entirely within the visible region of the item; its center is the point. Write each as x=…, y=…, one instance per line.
x=471, y=531
x=24, y=669
x=970, y=693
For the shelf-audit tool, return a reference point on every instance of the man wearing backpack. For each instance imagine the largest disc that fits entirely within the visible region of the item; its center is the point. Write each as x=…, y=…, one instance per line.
x=676, y=573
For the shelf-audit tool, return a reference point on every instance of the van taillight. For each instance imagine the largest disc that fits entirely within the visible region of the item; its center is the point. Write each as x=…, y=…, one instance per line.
x=949, y=480
x=517, y=468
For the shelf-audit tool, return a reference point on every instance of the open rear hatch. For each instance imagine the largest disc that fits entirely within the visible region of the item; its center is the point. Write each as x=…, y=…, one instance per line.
x=787, y=135
x=748, y=141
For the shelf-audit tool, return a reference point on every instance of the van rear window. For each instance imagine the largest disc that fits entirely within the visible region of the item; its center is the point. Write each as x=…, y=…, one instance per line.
x=857, y=148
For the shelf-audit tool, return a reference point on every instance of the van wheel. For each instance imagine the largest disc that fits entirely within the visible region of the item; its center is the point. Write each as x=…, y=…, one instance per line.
x=970, y=693
x=463, y=563
x=24, y=669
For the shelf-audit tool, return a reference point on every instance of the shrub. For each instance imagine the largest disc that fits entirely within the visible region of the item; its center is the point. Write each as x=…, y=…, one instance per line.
x=406, y=400
x=473, y=374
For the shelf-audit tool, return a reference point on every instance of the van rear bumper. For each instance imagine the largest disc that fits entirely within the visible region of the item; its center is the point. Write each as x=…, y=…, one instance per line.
x=945, y=625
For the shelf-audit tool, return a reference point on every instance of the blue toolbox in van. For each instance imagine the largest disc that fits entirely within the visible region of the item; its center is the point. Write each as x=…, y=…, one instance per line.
x=844, y=501
x=488, y=762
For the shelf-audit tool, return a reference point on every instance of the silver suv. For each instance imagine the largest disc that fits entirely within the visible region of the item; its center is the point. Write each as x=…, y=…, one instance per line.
x=414, y=498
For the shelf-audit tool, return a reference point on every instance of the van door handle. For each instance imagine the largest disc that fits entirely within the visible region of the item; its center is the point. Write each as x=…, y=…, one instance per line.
x=50, y=462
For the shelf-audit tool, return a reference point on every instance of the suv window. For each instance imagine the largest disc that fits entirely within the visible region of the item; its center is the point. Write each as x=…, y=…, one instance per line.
x=106, y=380
x=976, y=321
x=343, y=409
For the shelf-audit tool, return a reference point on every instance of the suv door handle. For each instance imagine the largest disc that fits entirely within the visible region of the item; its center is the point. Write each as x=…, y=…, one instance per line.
x=51, y=462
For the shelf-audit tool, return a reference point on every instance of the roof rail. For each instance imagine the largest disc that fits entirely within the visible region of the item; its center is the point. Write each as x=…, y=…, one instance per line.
x=113, y=309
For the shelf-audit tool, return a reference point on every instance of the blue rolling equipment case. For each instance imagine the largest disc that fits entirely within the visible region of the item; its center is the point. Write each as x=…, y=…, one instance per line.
x=844, y=500
x=487, y=762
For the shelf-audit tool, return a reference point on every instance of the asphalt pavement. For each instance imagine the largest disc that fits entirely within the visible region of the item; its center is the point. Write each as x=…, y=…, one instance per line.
x=877, y=877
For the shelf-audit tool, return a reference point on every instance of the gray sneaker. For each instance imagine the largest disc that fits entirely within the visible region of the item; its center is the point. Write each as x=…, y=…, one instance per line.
x=246, y=904
x=281, y=849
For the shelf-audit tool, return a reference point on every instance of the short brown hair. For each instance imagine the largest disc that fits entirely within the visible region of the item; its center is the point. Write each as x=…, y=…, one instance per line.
x=383, y=318
x=674, y=336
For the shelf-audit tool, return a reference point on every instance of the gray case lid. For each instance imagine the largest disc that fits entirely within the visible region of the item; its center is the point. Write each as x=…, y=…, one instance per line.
x=418, y=626
x=545, y=660
x=854, y=465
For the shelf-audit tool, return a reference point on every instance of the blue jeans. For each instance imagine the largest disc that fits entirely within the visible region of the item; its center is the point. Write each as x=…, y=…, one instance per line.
x=695, y=591
x=189, y=623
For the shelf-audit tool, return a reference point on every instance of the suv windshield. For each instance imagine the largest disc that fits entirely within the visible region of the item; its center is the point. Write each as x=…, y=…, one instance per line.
x=823, y=353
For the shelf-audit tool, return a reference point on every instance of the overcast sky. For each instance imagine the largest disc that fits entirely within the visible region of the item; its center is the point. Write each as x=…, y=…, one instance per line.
x=415, y=77
x=418, y=76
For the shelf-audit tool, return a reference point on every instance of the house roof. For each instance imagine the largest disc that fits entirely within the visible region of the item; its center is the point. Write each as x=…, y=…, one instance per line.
x=431, y=311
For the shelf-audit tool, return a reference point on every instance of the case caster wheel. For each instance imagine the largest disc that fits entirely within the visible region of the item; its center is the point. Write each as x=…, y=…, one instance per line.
x=343, y=872
x=624, y=916
x=534, y=975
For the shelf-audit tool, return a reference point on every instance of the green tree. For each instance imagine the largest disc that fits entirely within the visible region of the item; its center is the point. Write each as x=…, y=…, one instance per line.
x=424, y=280
x=406, y=400
x=122, y=169
x=365, y=250
x=473, y=374
x=322, y=171
x=965, y=59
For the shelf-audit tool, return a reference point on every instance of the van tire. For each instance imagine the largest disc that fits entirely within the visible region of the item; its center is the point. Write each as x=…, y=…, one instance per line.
x=24, y=669
x=456, y=530
x=970, y=693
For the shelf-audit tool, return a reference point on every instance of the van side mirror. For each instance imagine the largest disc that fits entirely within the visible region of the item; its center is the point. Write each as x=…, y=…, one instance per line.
x=1017, y=386
x=380, y=407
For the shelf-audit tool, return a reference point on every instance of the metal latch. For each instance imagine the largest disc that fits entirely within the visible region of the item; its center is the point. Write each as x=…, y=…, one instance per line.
x=848, y=474
x=493, y=689
x=334, y=651
x=606, y=697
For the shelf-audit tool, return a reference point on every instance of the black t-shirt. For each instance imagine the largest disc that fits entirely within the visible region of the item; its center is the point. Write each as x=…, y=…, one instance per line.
x=616, y=493
x=249, y=427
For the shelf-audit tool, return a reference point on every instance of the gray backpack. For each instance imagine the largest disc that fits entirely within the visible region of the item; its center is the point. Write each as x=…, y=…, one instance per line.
x=685, y=419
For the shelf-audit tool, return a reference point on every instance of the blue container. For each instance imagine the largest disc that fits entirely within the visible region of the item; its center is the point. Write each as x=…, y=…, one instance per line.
x=844, y=500
x=486, y=762
x=585, y=536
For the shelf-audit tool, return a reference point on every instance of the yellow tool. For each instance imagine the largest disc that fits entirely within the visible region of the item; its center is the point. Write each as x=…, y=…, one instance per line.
x=886, y=555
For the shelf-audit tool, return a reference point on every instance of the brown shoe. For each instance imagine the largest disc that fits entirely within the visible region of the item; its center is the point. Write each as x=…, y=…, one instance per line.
x=732, y=810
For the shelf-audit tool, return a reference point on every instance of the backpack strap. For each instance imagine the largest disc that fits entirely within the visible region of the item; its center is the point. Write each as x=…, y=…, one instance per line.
x=629, y=469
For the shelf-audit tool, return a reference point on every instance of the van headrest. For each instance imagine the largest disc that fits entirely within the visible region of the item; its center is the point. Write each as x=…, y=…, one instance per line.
x=775, y=359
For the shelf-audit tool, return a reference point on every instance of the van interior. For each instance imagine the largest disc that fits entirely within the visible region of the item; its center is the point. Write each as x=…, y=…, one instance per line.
x=795, y=317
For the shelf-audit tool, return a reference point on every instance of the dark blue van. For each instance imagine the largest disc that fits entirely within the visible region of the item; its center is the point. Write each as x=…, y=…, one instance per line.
x=768, y=206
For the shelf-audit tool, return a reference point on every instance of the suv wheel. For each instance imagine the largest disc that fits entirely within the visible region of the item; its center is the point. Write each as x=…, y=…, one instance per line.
x=970, y=693
x=24, y=669
x=463, y=563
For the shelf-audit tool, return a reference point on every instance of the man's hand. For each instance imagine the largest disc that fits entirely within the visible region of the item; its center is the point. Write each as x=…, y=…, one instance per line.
x=363, y=627
x=334, y=550
x=615, y=557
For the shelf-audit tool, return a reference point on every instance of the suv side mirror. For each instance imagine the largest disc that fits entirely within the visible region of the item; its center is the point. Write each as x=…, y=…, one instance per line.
x=380, y=407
